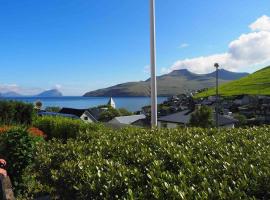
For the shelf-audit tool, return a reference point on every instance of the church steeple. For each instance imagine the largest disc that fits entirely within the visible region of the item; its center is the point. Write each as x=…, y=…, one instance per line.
x=111, y=103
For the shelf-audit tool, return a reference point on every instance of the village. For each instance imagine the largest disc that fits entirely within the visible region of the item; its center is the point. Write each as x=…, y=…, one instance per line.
x=176, y=111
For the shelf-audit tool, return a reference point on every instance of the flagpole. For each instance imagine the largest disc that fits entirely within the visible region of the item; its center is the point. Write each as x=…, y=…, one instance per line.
x=153, y=65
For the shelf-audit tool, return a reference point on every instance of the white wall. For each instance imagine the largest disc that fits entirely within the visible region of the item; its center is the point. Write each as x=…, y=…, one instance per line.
x=88, y=119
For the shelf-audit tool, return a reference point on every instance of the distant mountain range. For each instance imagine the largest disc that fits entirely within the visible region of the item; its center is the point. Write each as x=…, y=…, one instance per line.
x=10, y=94
x=47, y=93
x=175, y=82
x=50, y=93
x=257, y=83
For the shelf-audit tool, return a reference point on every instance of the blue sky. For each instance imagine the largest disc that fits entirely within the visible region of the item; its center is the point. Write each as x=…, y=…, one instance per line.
x=82, y=45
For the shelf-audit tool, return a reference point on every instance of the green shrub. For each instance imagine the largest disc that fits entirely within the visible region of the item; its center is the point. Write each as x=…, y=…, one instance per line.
x=18, y=148
x=202, y=117
x=242, y=119
x=13, y=112
x=108, y=113
x=133, y=163
x=53, y=109
x=60, y=127
x=124, y=112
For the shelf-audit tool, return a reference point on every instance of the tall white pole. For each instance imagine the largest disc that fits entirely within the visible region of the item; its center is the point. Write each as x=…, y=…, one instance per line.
x=217, y=95
x=153, y=65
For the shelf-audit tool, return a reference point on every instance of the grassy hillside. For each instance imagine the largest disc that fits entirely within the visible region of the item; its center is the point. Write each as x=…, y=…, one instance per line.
x=257, y=83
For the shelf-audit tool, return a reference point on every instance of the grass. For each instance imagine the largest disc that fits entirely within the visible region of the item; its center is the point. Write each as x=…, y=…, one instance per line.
x=257, y=83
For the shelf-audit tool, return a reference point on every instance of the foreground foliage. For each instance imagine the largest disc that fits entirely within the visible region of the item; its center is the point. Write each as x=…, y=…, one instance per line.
x=18, y=147
x=133, y=163
x=62, y=128
x=14, y=112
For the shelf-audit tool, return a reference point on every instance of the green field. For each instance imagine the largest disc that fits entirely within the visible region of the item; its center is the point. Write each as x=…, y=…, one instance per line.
x=257, y=83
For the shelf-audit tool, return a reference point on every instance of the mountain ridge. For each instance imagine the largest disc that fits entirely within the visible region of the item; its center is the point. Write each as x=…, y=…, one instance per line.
x=10, y=94
x=175, y=82
x=50, y=93
x=46, y=93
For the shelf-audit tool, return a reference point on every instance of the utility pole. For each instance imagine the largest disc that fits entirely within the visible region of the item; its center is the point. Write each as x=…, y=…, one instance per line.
x=217, y=95
x=153, y=65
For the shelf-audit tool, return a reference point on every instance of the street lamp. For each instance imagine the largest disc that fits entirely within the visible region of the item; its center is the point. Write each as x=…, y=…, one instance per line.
x=153, y=65
x=217, y=97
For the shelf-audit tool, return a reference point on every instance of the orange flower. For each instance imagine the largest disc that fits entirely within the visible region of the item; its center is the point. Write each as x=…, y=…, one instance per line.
x=4, y=129
x=36, y=132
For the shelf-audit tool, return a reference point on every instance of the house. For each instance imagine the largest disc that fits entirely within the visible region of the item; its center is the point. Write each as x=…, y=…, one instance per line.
x=111, y=103
x=127, y=120
x=263, y=99
x=181, y=119
x=212, y=98
x=55, y=114
x=244, y=100
x=174, y=120
x=146, y=122
x=83, y=114
x=207, y=102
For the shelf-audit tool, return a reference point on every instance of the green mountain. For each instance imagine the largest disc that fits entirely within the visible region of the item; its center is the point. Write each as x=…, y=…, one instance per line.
x=176, y=82
x=257, y=83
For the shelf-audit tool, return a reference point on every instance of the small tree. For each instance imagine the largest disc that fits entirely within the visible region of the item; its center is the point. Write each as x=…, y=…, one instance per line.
x=109, y=114
x=38, y=105
x=242, y=119
x=124, y=112
x=202, y=117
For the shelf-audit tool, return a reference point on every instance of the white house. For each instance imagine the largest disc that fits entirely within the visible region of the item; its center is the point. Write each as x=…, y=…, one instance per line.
x=83, y=114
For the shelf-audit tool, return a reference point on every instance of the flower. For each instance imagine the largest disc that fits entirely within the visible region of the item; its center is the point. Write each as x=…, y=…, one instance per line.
x=36, y=132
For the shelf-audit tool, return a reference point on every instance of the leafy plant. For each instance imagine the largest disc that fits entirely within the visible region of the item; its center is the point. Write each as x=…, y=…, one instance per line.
x=60, y=127
x=191, y=163
x=13, y=112
x=202, y=117
x=18, y=147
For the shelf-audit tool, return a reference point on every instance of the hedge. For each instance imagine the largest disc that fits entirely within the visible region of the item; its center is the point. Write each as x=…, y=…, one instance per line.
x=131, y=163
x=14, y=112
x=18, y=147
x=62, y=128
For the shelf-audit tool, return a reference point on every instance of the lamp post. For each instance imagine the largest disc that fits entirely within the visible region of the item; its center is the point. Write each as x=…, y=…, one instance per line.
x=217, y=97
x=153, y=65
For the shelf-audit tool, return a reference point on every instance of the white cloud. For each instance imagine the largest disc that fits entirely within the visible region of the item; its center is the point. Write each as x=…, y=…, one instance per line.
x=164, y=70
x=251, y=49
x=184, y=45
x=18, y=89
x=58, y=86
x=8, y=87
x=146, y=69
x=200, y=64
x=261, y=24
